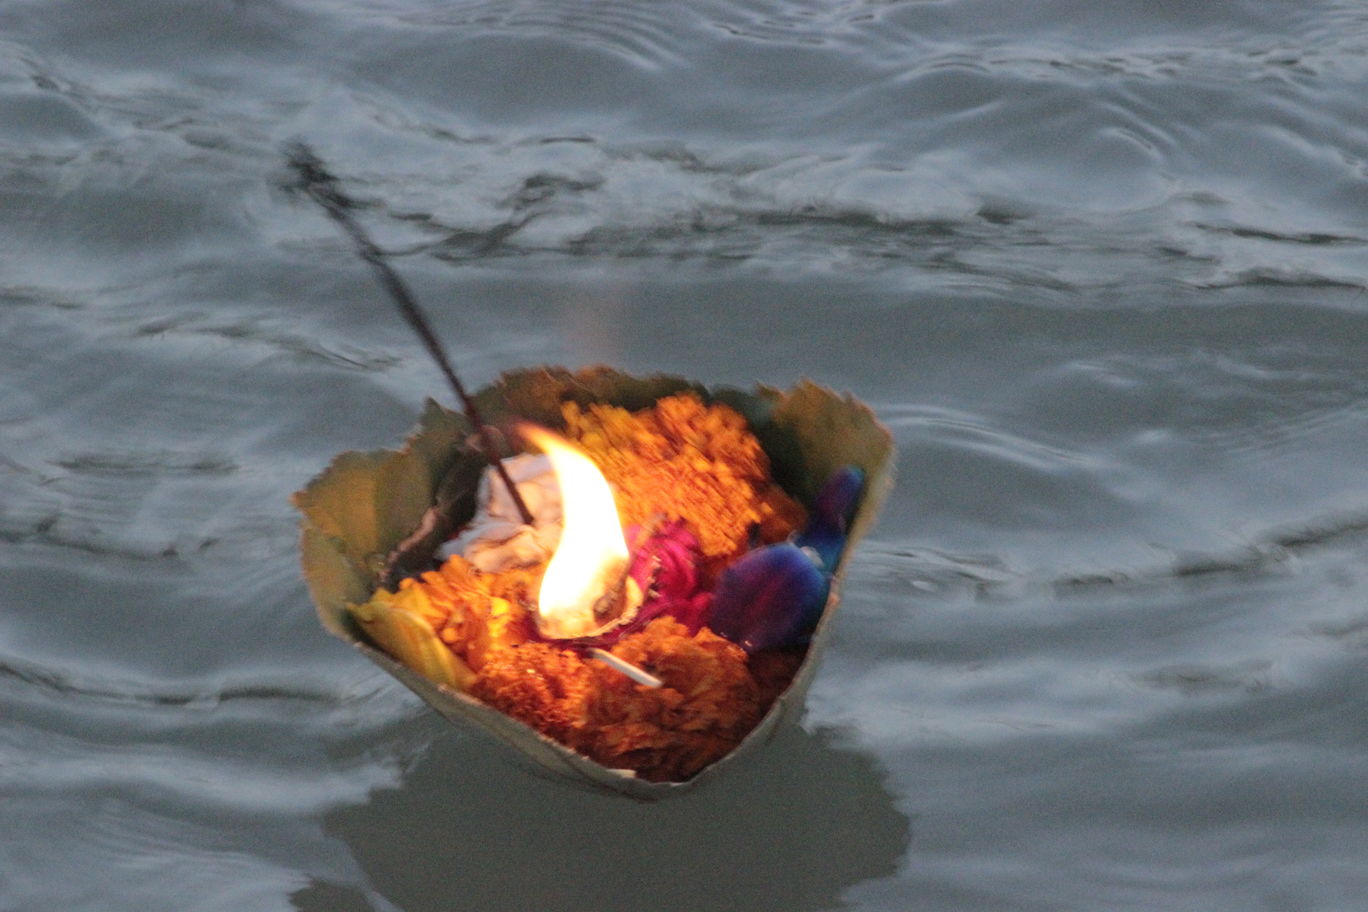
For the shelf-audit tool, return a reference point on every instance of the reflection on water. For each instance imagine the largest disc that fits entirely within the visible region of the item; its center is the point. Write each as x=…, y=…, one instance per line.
x=792, y=830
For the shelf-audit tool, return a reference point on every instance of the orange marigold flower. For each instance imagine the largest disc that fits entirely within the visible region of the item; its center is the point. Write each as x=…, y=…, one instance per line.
x=682, y=459
x=482, y=613
x=707, y=704
x=688, y=460
x=539, y=684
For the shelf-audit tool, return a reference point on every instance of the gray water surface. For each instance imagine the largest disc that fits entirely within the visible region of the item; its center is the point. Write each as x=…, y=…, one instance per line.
x=1099, y=266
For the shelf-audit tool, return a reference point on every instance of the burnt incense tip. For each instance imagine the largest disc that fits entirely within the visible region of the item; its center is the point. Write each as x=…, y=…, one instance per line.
x=313, y=177
x=307, y=165
x=301, y=156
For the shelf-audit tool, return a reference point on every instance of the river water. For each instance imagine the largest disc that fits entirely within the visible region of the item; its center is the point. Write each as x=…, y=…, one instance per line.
x=1100, y=266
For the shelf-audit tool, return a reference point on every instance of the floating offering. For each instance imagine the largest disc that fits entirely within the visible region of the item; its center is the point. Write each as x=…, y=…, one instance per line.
x=680, y=612
x=649, y=608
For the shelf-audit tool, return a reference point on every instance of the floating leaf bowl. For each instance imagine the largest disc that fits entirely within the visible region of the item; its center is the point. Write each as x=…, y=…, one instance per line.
x=372, y=518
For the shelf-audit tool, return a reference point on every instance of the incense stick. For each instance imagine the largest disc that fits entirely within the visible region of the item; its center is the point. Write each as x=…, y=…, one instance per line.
x=322, y=187
x=636, y=674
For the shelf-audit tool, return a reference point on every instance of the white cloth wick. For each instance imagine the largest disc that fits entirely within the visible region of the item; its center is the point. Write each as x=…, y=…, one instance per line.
x=496, y=538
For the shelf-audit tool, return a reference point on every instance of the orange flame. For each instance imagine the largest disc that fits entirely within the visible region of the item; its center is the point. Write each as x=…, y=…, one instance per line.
x=592, y=555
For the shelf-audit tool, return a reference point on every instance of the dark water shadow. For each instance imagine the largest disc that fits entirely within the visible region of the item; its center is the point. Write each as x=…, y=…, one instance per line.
x=322, y=896
x=790, y=830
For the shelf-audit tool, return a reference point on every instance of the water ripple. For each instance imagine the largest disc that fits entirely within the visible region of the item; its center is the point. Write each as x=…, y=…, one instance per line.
x=1273, y=551
x=1099, y=266
x=260, y=333
x=131, y=464
x=1251, y=677
x=580, y=197
x=67, y=685
x=647, y=35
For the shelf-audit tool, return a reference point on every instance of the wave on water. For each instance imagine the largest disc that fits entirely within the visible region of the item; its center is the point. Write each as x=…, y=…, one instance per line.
x=65, y=683
x=647, y=35
x=1273, y=551
x=1098, y=266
